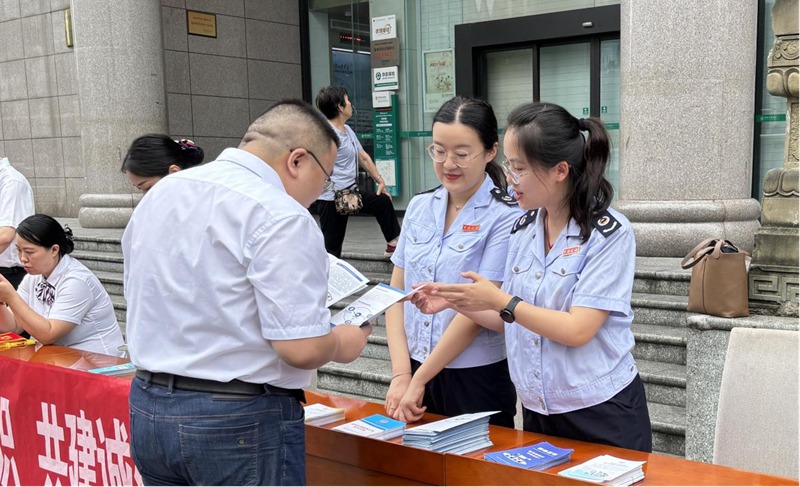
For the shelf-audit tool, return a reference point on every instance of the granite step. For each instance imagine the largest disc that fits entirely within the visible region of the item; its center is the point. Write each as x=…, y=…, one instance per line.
x=660, y=309
x=98, y=244
x=97, y=260
x=659, y=343
x=664, y=383
x=111, y=281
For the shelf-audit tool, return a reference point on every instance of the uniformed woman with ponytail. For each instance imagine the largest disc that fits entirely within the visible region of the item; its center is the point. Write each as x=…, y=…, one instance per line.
x=565, y=303
x=462, y=225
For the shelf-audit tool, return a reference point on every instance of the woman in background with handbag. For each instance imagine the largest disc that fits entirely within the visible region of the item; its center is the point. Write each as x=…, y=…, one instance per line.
x=344, y=200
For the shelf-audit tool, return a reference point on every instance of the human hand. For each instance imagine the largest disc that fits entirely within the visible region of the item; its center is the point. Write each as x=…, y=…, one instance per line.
x=397, y=387
x=382, y=189
x=352, y=340
x=411, y=409
x=6, y=290
x=481, y=295
x=426, y=302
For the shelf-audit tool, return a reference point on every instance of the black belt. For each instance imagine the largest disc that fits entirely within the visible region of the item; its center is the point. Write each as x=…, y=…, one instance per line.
x=203, y=385
x=11, y=270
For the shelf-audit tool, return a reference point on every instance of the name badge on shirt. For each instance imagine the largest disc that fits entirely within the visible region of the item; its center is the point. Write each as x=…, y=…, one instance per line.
x=470, y=228
x=571, y=250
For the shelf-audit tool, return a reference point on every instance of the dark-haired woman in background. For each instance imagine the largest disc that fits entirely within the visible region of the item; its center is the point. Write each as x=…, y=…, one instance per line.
x=565, y=304
x=154, y=156
x=462, y=225
x=60, y=301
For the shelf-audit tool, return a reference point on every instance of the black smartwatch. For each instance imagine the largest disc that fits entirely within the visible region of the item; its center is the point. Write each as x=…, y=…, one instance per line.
x=507, y=313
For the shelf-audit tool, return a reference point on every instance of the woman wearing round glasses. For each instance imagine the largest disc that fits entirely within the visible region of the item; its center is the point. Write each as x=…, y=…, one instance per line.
x=462, y=225
x=565, y=304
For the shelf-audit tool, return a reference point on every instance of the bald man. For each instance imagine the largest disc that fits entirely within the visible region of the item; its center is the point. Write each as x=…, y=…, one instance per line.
x=226, y=280
x=16, y=204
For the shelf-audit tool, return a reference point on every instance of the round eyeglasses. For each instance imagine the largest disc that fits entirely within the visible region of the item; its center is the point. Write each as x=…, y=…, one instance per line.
x=461, y=158
x=510, y=174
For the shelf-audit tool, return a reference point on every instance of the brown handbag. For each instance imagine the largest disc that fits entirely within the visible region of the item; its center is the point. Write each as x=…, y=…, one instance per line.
x=719, y=279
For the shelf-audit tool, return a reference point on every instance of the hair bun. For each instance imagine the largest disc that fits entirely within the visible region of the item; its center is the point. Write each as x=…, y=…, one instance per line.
x=68, y=233
x=188, y=145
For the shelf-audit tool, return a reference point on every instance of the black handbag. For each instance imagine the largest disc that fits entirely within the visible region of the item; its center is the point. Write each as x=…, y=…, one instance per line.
x=348, y=201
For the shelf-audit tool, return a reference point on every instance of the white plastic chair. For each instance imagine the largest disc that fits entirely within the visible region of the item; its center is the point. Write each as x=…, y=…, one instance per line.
x=757, y=418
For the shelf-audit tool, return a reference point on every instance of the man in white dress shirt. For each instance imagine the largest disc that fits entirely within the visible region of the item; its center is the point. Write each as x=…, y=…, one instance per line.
x=16, y=204
x=226, y=282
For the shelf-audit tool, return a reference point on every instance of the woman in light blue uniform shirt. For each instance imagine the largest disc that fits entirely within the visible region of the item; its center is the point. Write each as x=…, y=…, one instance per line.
x=462, y=225
x=565, y=304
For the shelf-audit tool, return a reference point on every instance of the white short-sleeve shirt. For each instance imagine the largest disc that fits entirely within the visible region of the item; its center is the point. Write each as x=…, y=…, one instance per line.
x=477, y=240
x=220, y=261
x=81, y=300
x=16, y=204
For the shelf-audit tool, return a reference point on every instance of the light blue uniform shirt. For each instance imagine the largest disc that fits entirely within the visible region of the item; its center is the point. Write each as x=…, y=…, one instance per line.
x=550, y=377
x=477, y=240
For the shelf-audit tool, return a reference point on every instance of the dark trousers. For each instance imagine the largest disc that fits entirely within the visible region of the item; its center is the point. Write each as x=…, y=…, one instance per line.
x=334, y=225
x=472, y=390
x=622, y=421
x=13, y=275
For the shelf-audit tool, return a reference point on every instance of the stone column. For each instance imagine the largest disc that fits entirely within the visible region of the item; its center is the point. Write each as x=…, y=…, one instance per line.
x=686, y=139
x=774, y=269
x=120, y=64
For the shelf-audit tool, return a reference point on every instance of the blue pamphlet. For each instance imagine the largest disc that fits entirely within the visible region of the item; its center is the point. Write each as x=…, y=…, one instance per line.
x=540, y=456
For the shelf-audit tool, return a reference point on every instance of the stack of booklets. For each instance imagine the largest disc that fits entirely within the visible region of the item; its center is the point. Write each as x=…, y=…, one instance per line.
x=319, y=414
x=540, y=456
x=607, y=470
x=376, y=426
x=459, y=434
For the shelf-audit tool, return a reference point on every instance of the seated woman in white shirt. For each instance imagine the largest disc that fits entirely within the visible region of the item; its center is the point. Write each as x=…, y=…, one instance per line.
x=60, y=301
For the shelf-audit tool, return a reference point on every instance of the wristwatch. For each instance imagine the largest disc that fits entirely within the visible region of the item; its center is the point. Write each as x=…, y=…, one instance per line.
x=507, y=313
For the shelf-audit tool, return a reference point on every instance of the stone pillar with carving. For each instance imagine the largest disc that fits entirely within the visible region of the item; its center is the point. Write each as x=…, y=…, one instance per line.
x=774, y=268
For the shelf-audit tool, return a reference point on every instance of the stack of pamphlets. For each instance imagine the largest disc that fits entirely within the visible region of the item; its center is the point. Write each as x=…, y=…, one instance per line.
x=376, y=426
x=319, y=414
x=459, y=434
x=540, y=456
x=120, y=369
x=345, y=280
x=606, y=470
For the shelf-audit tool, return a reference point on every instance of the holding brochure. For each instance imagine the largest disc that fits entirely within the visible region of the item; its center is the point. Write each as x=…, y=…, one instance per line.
x=345, y=280
x=540, y=456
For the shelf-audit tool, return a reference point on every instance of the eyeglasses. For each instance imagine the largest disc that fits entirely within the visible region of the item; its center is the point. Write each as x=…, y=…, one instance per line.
x=461, y=158
x=328, y=181
x=514, y=176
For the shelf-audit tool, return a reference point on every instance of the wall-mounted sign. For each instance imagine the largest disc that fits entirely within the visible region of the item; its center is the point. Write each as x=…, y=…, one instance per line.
x=439, y=78
x=387, y=142
x=385, y=79
x=201, y=23
x=382, y=99
x=385, y=53
x=384, y=27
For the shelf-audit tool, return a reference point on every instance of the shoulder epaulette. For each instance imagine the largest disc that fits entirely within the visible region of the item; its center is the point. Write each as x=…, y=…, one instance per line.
x=605, y=223
x=430, y=190
x=524, y=220
x=503, y=197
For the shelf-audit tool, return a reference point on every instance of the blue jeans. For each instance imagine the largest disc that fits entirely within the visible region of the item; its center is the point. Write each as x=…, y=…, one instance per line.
x=199, y=438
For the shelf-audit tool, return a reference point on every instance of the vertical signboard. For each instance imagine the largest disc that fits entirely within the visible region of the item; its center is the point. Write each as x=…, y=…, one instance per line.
x=387, y=140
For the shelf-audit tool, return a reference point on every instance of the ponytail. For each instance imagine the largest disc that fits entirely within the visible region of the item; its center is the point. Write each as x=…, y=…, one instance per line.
x=495, y=172
x=547, y=134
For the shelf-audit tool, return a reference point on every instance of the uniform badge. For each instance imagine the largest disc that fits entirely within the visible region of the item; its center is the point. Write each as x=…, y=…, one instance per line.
x=524, y=221
x=470, y=228
x=570, y=251
x=605, y=223
x=503, y=197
